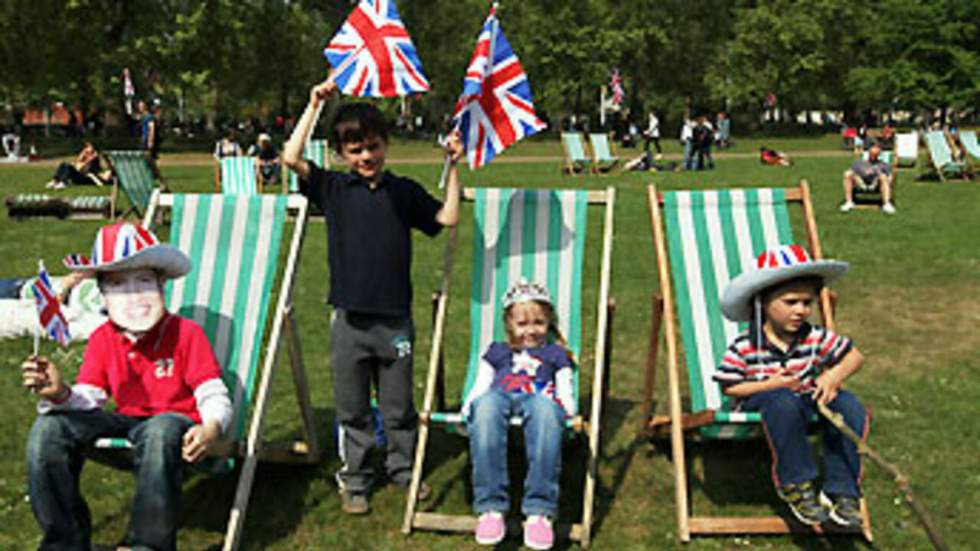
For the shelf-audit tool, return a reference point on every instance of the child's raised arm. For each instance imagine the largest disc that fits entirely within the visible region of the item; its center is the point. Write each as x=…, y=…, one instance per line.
x=292, y=153
x=448, y=215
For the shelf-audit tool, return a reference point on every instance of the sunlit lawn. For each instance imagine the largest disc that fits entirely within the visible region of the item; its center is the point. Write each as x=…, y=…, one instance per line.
x=911, y=303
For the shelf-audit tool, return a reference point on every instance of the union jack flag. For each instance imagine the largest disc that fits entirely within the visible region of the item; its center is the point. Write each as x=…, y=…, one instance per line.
x=495, y=108
x=49, y=308
x=373, y=54
x=616, y=85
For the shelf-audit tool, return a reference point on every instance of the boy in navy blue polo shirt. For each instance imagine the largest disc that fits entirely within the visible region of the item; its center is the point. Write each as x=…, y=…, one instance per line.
x=782, y=366
x=370, y=213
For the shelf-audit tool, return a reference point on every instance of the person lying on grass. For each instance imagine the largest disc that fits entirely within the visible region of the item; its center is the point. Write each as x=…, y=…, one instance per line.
x=166, y=382
x=782, y=366
x=531, y=378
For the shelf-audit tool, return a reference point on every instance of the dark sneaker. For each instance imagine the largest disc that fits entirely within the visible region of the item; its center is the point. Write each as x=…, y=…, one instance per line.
x=354, y=504
x=844, y=510
x=802, y=500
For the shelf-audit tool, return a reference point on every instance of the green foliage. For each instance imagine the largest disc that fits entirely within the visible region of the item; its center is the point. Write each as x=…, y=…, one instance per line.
x=239, y=58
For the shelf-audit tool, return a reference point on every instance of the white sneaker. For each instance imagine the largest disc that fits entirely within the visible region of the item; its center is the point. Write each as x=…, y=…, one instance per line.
x=847, y=206
x=888, y=208
x=51, y=184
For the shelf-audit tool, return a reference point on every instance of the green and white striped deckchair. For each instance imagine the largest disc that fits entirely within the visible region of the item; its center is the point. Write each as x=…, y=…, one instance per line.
x=602, y=156
x=703, y=239
x=539, y=235
x=234, y=242
x=238, y=176
x=942, y=157
x=314, y=150
x=576, y=160
x=907, y=148
x=969, y=140
x=134, y=176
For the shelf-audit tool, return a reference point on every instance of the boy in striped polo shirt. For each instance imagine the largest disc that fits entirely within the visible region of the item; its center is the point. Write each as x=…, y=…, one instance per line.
x=782, y=366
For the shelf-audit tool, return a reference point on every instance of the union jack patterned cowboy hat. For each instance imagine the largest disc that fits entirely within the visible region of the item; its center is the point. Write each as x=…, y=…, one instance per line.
x=773, y=267
x=125, y=246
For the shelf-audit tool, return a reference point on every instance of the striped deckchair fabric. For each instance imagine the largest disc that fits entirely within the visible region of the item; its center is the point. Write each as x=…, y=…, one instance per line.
x=535, y=234
x=969, y=140
x=316, y=151
x=602, y=156
x=576, y=160
x=712, y=237
x=886, y=157
x=134, y=177
x=907, y=148
x=238, y=176
x=538, y=235
x=942, y=156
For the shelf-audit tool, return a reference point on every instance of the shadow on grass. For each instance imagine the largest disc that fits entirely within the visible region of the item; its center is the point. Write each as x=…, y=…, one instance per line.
x=735, y=478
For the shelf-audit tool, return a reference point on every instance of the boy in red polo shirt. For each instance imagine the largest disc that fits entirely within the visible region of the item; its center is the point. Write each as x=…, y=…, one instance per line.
x=162, y=373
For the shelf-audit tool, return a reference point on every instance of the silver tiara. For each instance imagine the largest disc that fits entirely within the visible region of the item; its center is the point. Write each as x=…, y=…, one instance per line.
x=523, y=291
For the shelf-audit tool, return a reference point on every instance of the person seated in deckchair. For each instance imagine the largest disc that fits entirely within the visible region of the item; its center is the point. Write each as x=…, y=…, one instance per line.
x=772, y=157
x=782, y=366
x=531, y=378
x=267, y=157
x=85, y=169
x=170, y=400
x=871, y=174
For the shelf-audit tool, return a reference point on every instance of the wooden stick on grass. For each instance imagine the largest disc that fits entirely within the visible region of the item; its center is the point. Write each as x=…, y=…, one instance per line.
x=837, y=420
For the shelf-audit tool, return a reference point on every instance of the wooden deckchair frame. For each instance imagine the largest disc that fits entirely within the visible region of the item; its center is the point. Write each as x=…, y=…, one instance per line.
x=254, y=449
x=677, y=423
x=582, y=531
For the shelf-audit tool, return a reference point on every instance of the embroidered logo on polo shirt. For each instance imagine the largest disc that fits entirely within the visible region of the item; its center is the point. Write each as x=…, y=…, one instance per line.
x=165, y=368
x=402, y=345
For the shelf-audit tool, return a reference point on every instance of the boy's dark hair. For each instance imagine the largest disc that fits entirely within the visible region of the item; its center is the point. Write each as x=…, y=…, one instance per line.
x=356, y=122
x=814, y=281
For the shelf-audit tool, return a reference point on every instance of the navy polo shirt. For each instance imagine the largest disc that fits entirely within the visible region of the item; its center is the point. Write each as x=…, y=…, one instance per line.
x=369, y=239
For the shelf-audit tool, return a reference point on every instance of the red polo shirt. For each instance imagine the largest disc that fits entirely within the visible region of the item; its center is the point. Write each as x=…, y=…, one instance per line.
x=156, y=374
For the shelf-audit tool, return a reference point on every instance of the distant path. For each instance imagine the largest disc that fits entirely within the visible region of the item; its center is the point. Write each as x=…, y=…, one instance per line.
x=205, y=159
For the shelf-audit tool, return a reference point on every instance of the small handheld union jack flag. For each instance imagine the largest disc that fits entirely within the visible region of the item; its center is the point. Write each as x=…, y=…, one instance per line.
x=495, y=109
x=49, y=314
x=373, y=54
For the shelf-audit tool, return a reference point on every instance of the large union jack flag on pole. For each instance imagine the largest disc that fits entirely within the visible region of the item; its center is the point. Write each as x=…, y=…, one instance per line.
x=373, y=54
x=49, y=314
x=495, y=108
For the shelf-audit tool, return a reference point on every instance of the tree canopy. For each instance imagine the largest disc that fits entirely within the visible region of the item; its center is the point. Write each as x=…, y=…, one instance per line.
x=244, y=58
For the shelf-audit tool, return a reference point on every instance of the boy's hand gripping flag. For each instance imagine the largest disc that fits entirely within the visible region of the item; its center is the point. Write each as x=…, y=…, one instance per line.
x=373, y=55
x=495, y=108
x=49, y=308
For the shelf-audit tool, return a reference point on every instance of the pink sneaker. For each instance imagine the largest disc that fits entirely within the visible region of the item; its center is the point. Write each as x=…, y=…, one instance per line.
x=538, y=533
x=490, y=528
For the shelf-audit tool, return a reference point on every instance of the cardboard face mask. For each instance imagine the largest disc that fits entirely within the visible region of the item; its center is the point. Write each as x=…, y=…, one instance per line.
x=134, y=298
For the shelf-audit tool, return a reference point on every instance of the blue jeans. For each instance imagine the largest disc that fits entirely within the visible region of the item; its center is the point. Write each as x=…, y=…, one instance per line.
x=688, y=155
x=543, y=421
x=785, y=416
x=56, y=452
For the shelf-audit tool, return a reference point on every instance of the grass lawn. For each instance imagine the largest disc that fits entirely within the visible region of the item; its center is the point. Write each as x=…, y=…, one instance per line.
x=911, y=303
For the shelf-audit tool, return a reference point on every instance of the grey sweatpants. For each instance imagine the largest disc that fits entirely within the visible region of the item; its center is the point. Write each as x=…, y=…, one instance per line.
x=368, y=347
